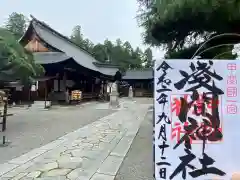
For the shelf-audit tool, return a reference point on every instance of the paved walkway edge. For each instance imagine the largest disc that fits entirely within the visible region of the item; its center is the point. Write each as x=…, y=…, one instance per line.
x=119, y=154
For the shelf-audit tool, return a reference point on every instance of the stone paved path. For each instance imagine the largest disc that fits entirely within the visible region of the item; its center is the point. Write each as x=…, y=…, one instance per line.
x=30, y=129
x=94, y=151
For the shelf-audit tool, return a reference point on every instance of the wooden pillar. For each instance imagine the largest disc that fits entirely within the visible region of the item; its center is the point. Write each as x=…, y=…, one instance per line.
x=4, y=120
x=45, y=94
x=105, y=89
x=59, y=84
x=64, y=81
x=104, y=84
x=84, y=85
x=92, y=86
x=58, y=78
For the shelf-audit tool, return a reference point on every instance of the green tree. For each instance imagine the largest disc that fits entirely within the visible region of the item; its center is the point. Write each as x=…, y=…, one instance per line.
x=181, y=25
x=77, y=36
x=118, y=56
x=17, y=24
x=137, y=59
x=119, y=42
x=148, y=58
x=88, y=45
x=16, y=63
x=117, y=53
x=99, y=52
x=127, y=46
x=187, y=53
x=108, y=48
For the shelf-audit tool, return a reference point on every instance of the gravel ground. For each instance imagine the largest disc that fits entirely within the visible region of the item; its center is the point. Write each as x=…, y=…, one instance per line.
x=138, y=163
x=30, y=129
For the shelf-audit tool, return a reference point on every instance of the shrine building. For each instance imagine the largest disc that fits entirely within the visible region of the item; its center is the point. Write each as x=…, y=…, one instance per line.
x=69, y=67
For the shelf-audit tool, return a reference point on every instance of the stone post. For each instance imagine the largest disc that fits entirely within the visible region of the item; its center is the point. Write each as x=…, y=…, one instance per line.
x=114, y=102
x=130, y=92
x=67, y=96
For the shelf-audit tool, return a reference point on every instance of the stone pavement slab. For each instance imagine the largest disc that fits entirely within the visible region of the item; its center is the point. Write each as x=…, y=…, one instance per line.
x=94, y=151
x=122, y=147
x=7, y=167
x=98, y=176
x=111, y=165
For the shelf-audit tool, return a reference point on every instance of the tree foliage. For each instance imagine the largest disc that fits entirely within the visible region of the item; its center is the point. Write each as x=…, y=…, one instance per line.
x=16, y=62
x=77, y=37
x=148, y=58
x=117, y=53
x=16, y=24
x=178, y=25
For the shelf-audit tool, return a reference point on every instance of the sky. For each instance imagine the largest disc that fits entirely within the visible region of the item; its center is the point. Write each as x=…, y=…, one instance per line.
x=99, y=19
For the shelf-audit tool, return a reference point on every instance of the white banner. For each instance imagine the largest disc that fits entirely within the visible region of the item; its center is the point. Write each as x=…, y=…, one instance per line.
x=197, y=119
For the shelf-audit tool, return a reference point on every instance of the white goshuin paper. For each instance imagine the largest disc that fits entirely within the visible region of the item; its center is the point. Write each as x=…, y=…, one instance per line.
x=226, y=154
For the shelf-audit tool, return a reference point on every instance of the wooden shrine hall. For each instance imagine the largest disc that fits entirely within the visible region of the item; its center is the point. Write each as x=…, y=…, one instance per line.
x=67, y=66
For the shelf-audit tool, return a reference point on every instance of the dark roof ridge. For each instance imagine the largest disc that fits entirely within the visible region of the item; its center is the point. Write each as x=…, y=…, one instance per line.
x=59, y=34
